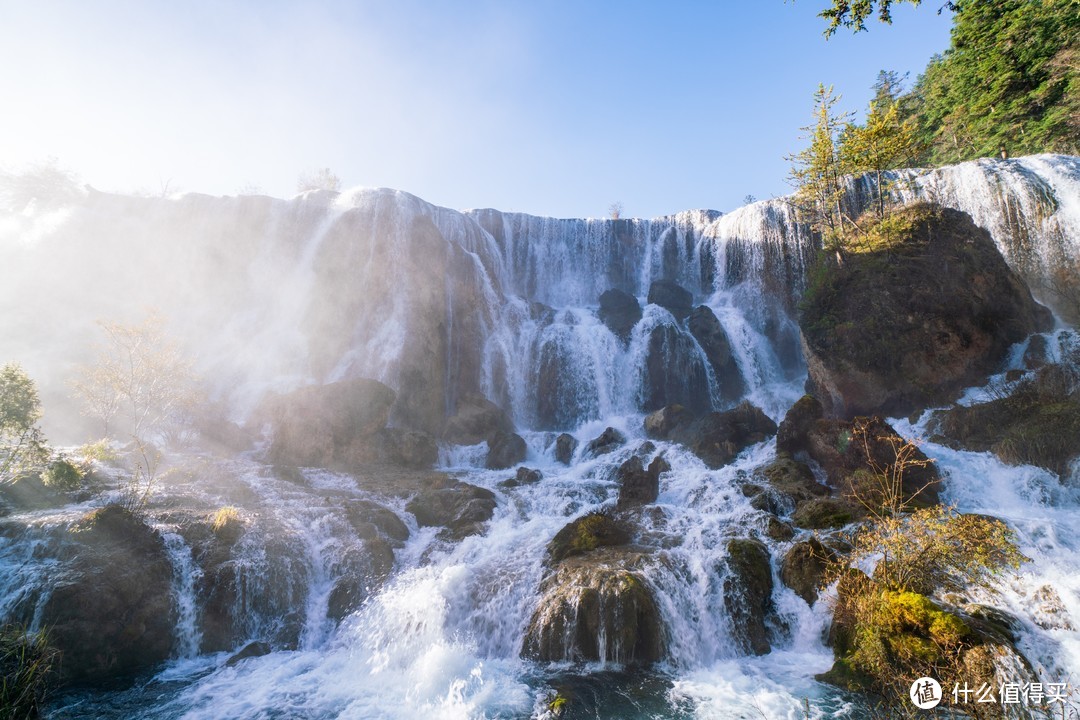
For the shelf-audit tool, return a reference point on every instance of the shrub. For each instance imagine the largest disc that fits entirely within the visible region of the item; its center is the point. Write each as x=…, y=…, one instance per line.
x=62, y=474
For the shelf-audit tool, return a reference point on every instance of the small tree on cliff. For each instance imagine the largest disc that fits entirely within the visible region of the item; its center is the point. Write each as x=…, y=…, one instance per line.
x=883, y=143
x=817, y=171
x=22, y=445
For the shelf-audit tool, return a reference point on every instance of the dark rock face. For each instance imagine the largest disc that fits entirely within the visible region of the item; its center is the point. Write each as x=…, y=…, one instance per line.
x=342, y=426
x=748, y=593
x=661, y=424
x=565, y=445
x=672, y=297
x=112, y=616
x=505, y=450
x=587, y=533
x=717, y=438
x=620, y=311
x=459, y=507
x=1038, y=424
x=596, y=607
x=252, y=649
x=674, y=371
x=707, y=330
x=908, y=326
x=803, y=568
x=796, y=425
x=639, y=486
x=476, y=420
x=606, y=442
x=823, y=513
x=792, y=479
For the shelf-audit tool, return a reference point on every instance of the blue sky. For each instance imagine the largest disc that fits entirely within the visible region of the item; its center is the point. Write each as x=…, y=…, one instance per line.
x=545, y=106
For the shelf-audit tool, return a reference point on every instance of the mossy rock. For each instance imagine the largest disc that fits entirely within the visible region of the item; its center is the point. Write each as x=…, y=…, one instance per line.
x=804, y=566
x=588, y=533
x=791, y=478
x=823, y=513
x=748, y=592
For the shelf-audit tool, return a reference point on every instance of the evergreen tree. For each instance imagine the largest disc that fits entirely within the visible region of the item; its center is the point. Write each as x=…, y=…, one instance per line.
x=883, y=143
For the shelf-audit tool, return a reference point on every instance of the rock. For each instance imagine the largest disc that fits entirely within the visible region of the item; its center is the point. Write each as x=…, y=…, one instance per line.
x=541, y=313
x=707, y=330
x=565, y=445
x=674, y=371
x=528, y=476
x=1039, y=424
x=674, y=298
x=111, y=614
x=407, y=448
x=665, y=421
x=596, y=608
x=909, y=325
x=803, y=568
x=778, y=530
x=796, y=425
x=505, y=450
x=822, y=513
x=791, y=478
x=608, y=441
x=30, y=493
x=620, y=311
x=718, y=437
x=476, y=420
x=586, y=534
x=748, y=593
x=1036, y=354
x=365, y=516
x=638, y=486
x=251, y=650
x=459, y=507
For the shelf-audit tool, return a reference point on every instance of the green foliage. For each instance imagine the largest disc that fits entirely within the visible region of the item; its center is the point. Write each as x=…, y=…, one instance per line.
x=883, y=142
x=98, y=451
x=1009, y=82
x=853, y=13
x=62, y=474
x=22, y=445
x=26, y=662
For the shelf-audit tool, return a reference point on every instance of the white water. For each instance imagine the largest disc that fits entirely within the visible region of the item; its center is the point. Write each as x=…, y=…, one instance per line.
x=377, y=283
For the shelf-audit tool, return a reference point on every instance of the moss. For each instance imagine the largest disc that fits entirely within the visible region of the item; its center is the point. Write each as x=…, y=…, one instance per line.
x=558, y=704
x=821, y=513
x=585, y=534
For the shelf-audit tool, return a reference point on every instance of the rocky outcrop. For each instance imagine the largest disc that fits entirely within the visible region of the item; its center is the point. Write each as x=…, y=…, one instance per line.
x=505, y=450
x=674, y=371
x=707, y=330
x=596, y=607
x=606, y=442
x=663, y=423
x=111, y=613
x=672, y=297
x=460, y=508
x=587, y=533
x=718, y=437
x=342, y=425
x=1037, y=424
x=620, y=311
x=565, y=446
x=477, y=419
x=909, y=320
x=803, y=568
x=638, y=485
x=748, y=593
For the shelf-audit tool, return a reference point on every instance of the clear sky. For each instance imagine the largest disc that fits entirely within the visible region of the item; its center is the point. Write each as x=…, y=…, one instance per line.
x=552, y=107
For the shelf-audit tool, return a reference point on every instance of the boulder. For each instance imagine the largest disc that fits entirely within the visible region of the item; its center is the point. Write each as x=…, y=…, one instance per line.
x=748, y=593
x=907, y=323
x=718, y=437
x=406, y=448
x=638, y=486
x=565, y=445
x=674, y=371
x=823, y=513
x=707, y=330
x=111, y=612
x=661, y=424
x=672, y=297
x=587, y=533
x=795, y=427
x=804, y=566
x=596, y=608
x=791, y=478
x=608, y=441
x=505, y=450
x=620, y=311
x=251, y=650
x=476, y=420
x=459, y=507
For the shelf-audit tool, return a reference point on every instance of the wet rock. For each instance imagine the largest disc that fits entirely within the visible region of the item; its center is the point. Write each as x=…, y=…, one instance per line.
x=588, y=533
x=803, y=568
x=707, y=330
x=822, y=513
x=778, y=530
x=30, y=493
x=661, y=424
x=638, y=486
x=476, y=420
x=366, y=516
x=251, y=650
x=672, y=297
x=791, y=478
x=505, y=450
x=112, y=615
x=595, y=608
x=608, y=441
x=459, y=507
x=620, y=311
x=718, y=437
x=795, y=427
x=911, y=324
x=407, y=448
x=674, y=371
x=748, y=593
x=524, y=476
x=1037, y=353
x=565, y=445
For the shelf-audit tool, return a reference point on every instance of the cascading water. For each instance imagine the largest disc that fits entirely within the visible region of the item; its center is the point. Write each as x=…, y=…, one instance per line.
x=438, y=304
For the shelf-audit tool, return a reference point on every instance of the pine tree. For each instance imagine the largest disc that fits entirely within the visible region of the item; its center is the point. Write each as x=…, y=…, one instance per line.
x=883, y=143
